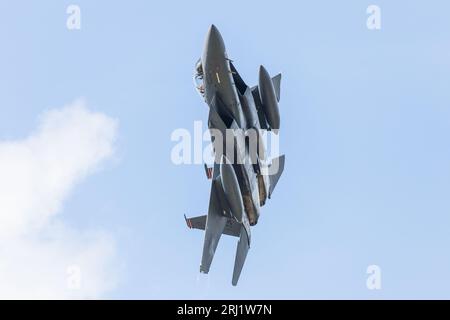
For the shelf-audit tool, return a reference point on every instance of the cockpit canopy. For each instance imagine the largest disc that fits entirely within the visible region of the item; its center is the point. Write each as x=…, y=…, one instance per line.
x=198, y=78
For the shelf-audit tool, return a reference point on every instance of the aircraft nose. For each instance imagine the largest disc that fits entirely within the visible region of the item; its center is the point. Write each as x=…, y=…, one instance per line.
x=214, y=41
x=213, y=31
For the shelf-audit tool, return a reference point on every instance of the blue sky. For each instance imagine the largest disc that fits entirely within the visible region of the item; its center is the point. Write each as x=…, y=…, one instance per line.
x=365, y=121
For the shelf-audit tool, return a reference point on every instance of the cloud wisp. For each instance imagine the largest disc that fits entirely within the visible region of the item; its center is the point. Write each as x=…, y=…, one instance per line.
x=40, y=256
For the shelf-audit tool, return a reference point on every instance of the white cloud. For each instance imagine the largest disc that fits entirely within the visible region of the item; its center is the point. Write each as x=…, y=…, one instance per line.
x=36, y=175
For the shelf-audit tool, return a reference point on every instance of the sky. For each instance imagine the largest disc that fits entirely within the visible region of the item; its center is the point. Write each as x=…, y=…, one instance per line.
x=91, y=205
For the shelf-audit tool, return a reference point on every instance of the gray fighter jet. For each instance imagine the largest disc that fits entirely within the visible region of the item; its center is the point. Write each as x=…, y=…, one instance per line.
x=242, y=177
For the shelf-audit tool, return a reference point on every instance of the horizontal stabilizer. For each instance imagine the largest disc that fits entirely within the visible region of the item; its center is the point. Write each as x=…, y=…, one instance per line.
x=232, y=228
x=276, y=85
x=275, y=171
x=276, y=81
x=196, y=222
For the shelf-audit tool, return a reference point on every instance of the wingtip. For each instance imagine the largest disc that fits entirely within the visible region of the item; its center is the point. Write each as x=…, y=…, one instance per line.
x=187, y=222
x=204, y=270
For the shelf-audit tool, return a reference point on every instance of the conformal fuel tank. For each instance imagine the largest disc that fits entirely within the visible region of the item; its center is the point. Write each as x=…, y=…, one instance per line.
x=231, y=188
x=268, y=99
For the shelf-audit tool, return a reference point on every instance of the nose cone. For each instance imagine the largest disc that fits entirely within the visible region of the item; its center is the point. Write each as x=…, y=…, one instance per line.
x=214, y=46
x=214, y=36
x=213, y=31
x=263, y=74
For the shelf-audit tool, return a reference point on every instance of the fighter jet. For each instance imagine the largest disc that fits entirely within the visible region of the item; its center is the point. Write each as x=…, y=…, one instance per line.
x=242, y=178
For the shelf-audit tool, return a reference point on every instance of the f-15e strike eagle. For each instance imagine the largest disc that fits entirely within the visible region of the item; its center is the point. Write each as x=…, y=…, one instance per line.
x=242, y=180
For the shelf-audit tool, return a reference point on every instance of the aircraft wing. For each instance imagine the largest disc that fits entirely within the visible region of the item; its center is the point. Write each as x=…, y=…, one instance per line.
x=215, y=223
